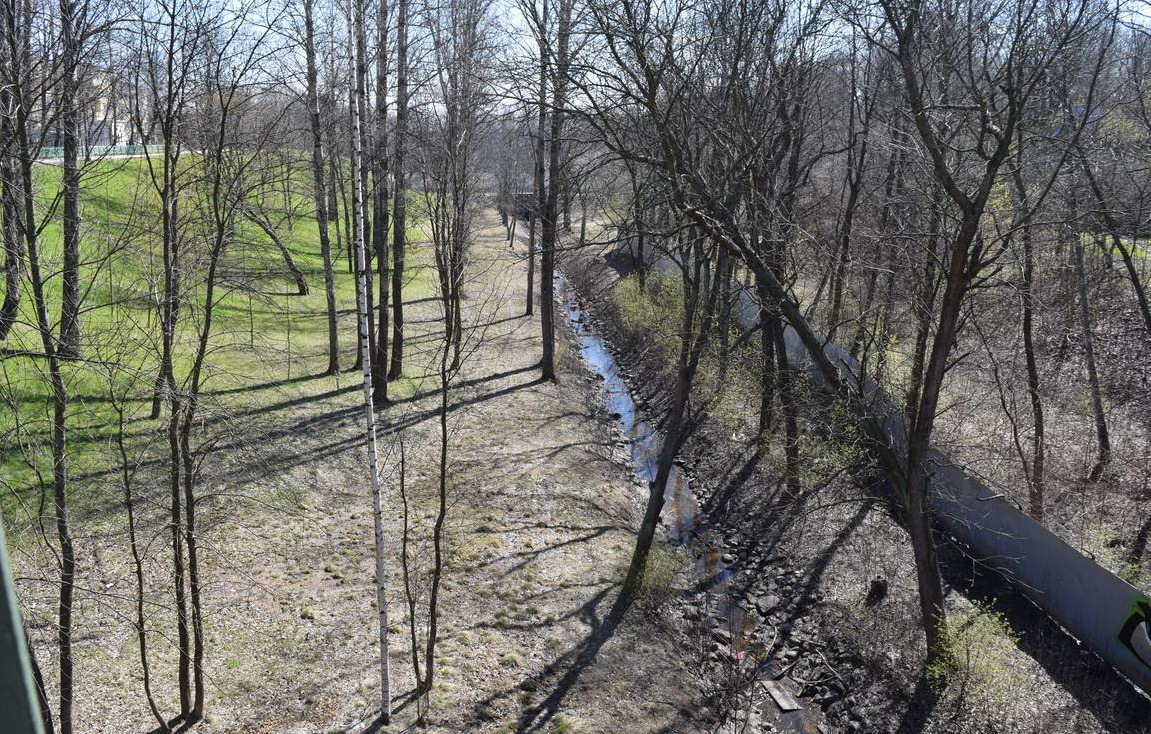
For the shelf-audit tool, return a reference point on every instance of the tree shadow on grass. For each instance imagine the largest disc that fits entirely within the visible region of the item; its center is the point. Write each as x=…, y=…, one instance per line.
x=264, y=385
x=414, y=419
x=537, y=717
x=472, y=382
x=378, y=724
x=920, y=706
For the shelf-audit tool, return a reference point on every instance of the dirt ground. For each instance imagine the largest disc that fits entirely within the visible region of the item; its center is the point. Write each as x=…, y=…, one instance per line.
x=539, y=529
x=804, y=566
x=542, y=506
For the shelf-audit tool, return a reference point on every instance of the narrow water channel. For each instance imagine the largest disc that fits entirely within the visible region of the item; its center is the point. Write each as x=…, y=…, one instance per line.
x=681, y=509
x=713, y=569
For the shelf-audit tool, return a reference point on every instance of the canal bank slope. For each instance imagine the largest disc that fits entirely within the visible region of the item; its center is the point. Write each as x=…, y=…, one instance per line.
x=826, y=575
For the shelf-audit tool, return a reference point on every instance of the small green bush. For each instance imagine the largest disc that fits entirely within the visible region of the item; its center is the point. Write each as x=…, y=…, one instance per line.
x=977, y=672
x=511, y=660
x=647, y=312
x=657, y=584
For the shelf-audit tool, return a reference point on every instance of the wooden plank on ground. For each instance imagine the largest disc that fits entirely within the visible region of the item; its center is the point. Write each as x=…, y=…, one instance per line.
x=782, y=697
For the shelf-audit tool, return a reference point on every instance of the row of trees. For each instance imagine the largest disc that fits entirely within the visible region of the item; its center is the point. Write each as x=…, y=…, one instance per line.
x=919, y=181
x=236, y=110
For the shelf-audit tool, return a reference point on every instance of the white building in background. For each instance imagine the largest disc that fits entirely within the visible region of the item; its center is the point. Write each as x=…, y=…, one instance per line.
x=106, y=122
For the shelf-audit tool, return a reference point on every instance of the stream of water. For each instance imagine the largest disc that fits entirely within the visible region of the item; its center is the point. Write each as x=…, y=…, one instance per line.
x=681, y=508
x=713, y=569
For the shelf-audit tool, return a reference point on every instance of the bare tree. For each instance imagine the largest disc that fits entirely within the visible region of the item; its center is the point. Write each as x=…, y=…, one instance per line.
x=381, y=204
x=460, y=34
x=320, y=185
x=400, y=178
x=555, y=63
x=359, y=237
x=74, y=37
x=25, y=79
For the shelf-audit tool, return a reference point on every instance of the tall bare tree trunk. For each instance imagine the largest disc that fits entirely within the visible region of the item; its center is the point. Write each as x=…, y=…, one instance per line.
x=166, y=187
x=694, y=339
x=359, y=237
x=380, y=208
x=856, y=169
x=127, y=480
x=1035, y=470
x=70, y=184
x=549, y=230
x=532, y=247
x=179, y=573
x=400, y=208
x=538, y=147
x=320, y=194
x=359, y=78
x=13, y=244
x=67, y=559
x=640, y=224
x=437, y=570
x=893, y=189
x=9, y=184
x=790, y=411
x=723, y=278
x=767, y=322
x=1102, y=435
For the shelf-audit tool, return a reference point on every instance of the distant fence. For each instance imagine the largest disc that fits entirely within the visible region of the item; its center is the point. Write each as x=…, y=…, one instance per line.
x=101, y=151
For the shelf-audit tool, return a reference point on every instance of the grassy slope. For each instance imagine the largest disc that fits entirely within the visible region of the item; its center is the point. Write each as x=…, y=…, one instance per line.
x=256, y=314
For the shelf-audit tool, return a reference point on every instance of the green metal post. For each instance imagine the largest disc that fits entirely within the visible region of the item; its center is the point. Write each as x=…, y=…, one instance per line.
x=19, y=712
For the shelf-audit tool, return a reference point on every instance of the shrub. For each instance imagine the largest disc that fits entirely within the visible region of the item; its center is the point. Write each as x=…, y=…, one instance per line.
x=657, y=584
x=977, y=673
x=511, y=660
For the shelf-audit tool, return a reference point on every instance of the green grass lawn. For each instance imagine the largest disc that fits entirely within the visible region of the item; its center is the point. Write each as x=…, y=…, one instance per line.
x=262, y=334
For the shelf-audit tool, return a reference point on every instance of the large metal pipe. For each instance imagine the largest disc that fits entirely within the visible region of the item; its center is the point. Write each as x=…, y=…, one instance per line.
x=1095, y=606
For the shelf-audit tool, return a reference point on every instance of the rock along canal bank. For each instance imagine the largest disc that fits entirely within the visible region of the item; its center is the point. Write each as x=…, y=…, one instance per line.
x=742, y=654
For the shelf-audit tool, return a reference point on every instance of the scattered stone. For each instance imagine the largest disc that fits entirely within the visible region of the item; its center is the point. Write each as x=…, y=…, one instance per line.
x=767, y=604
x=828, y=695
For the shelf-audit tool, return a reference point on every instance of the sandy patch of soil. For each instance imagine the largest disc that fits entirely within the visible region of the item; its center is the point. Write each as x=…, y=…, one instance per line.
x=540, y=524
